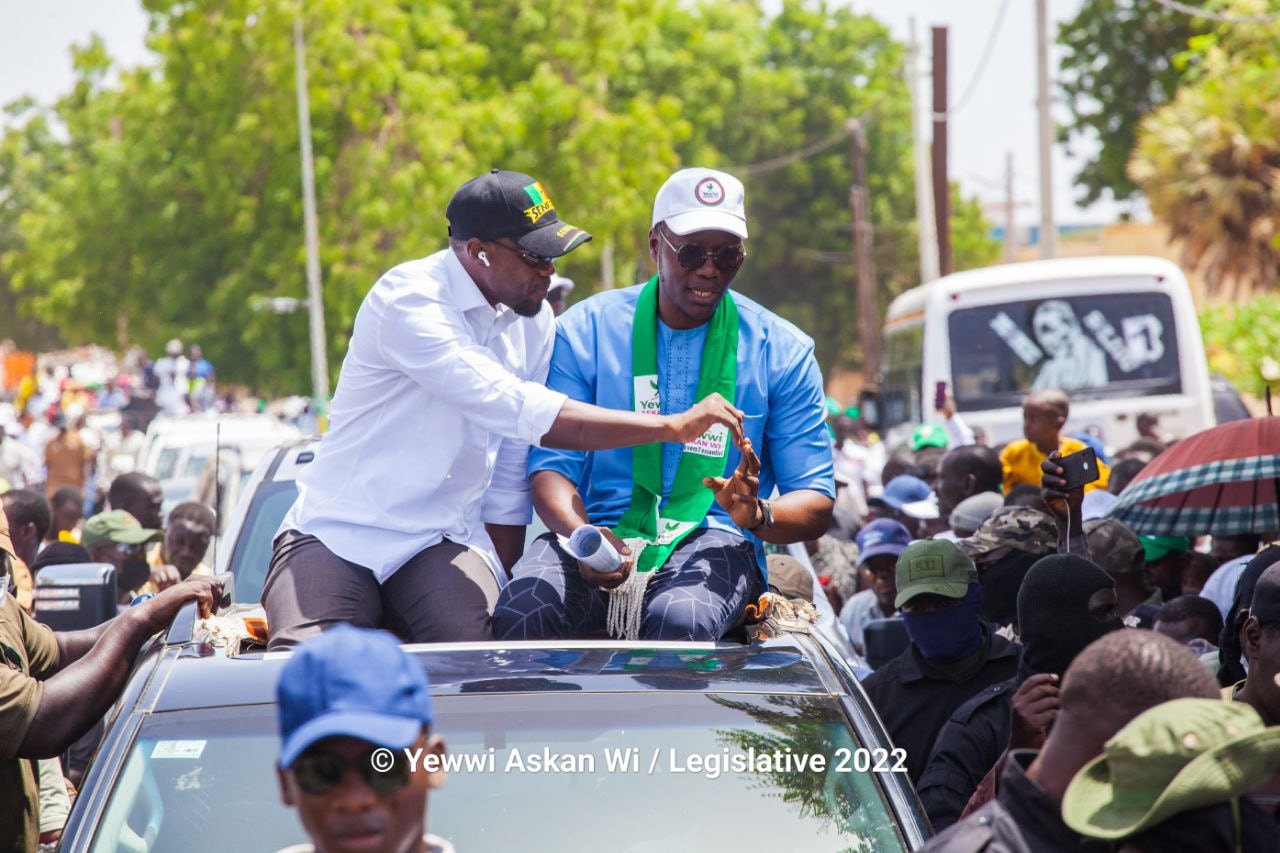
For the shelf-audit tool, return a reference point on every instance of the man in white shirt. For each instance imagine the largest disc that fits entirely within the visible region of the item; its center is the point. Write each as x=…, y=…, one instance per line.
x=172, y=374
x=415, y=506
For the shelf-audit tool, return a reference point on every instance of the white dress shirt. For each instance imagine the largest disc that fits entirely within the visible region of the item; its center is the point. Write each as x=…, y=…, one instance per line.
x=439, y=398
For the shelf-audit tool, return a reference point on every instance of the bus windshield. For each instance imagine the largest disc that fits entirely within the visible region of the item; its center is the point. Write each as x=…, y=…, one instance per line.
x=1094, y=347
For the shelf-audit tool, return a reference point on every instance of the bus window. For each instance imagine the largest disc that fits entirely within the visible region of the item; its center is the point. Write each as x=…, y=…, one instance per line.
x=1093, y=347
x=900, y=390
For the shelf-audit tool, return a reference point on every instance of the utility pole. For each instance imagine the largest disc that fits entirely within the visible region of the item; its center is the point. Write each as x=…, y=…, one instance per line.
x=865, y=288
x=941, y=187
x=606, y=266
x=1010, y=232
x=926, y=227
x=1048, y=232
x=315, y=300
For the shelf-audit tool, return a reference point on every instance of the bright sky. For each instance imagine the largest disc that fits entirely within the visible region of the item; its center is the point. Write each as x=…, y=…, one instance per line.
x=1000, y=116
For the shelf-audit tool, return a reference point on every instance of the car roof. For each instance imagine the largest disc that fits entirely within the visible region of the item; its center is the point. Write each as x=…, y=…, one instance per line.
x=200, y=677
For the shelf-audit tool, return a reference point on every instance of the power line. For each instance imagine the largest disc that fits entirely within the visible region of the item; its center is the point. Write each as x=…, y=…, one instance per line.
x=1195, y=12
x=982, y=66
x=794, y=157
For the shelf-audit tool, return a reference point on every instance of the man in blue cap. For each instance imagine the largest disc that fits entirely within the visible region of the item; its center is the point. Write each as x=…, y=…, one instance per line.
x=349, y=699
x=879, y=544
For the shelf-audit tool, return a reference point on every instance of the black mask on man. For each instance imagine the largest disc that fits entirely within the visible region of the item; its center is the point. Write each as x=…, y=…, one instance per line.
x=134, y=572
x=1053, y=611
x=1001, y=581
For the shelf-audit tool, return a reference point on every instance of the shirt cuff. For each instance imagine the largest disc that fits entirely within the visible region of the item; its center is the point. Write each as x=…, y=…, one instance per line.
x=507, y=506
x=540, y=409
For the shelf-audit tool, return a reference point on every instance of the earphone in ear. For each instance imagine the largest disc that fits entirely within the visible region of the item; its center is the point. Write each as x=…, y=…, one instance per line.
x=484, y=259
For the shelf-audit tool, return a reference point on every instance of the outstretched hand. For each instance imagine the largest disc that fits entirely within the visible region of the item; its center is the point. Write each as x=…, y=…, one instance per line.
x=1062, y=503
x=712, y=410
x=739, y=495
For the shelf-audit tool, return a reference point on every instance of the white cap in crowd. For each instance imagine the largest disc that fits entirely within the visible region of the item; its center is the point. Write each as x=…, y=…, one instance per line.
x=561, y=282
x=702, y=200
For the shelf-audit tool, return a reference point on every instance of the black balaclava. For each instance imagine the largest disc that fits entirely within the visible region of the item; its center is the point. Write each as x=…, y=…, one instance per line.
x=1001, y=581
x=1053, y=611
x=1230, y=670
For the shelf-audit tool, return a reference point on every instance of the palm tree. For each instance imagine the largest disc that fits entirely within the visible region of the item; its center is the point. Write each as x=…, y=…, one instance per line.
x=1209, y=162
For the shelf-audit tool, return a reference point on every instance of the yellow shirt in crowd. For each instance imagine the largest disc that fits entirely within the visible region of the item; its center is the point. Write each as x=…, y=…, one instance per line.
x=1021, y=460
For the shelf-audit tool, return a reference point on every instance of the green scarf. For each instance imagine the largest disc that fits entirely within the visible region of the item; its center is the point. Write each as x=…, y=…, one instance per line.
x=689, y=501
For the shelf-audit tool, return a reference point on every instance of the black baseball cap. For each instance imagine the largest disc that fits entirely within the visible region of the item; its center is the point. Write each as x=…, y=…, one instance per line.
x=511, y=204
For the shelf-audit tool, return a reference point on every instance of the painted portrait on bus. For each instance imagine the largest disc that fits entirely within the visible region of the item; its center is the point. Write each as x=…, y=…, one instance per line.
x=1074, y=360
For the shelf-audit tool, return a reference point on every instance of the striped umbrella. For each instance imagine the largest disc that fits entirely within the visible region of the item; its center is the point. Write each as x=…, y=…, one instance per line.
x=1221, y=481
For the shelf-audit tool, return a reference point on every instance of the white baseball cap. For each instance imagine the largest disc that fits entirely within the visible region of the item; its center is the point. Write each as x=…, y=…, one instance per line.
x=702, y=200
x=560, y=282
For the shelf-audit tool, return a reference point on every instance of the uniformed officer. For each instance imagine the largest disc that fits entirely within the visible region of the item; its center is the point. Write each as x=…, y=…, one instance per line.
x=1065, y=604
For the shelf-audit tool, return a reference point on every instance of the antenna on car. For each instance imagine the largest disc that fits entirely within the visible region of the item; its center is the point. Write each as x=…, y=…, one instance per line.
x=217, y=488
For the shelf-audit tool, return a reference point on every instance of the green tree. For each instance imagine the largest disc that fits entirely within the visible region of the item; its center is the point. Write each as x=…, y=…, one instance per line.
x=1121, y=61
x=1208, y=160
x=172, y=202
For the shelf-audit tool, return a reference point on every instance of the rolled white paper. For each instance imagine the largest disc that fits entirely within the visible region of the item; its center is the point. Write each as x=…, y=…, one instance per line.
x=590, y=546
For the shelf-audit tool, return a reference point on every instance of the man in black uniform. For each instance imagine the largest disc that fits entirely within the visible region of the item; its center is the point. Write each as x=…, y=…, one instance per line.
x=953, y=654
x=1065, y=604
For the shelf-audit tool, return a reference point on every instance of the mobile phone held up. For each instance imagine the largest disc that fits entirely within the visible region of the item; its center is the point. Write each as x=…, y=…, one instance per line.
x=1079, y=469
x=939, y=395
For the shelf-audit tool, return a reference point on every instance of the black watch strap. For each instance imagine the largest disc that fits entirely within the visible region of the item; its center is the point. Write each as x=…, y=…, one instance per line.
x=766, y=514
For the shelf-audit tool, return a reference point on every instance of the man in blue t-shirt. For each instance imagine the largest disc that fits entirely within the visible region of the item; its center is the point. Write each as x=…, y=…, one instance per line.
x=689, y=520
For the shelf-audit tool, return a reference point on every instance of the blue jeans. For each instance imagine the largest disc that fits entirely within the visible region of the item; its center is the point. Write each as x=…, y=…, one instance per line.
x=698, y=595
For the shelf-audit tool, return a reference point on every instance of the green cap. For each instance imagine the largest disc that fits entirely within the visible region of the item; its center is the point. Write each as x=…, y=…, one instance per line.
x=116, y=526
x=1155, y=547
x=1185, y=754
x=933, y=566
x=929, y=435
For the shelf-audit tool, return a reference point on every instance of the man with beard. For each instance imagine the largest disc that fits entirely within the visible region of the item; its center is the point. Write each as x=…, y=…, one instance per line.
x=699, y=513
x=416, y=502
x=1065, y=603
x=953, y=654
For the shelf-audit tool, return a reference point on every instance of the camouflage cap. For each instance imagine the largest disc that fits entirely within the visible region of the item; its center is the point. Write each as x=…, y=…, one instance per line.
x=1113, y=546
x=1020, y=527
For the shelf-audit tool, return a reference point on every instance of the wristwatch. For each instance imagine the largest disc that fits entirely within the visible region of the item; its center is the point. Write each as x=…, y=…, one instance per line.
x=766, y=514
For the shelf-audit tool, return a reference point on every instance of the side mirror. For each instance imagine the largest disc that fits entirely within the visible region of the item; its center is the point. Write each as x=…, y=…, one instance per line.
x=75, y=596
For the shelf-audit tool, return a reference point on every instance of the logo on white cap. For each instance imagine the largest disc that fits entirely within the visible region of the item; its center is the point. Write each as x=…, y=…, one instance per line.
x=709, y=192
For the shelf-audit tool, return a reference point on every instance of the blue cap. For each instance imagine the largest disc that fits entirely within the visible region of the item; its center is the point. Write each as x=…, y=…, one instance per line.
x=882, y=536
x=354, y=682
x=902, y=490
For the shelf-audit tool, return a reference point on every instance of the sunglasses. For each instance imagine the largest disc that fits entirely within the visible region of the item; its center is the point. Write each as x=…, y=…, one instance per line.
x=320, y=772
x=535, y=261
x=691, y=256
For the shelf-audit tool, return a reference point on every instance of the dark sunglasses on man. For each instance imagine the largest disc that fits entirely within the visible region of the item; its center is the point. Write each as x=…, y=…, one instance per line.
x=691, y=256
x=535, y=261
x=319, y=772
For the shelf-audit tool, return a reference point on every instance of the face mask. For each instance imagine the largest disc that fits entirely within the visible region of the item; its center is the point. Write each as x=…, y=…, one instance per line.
x=1053, y=612
x=134, y=572
x=945, y=636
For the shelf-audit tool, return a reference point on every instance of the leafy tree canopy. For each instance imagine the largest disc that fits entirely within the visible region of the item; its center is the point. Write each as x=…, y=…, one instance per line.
x=160, y=201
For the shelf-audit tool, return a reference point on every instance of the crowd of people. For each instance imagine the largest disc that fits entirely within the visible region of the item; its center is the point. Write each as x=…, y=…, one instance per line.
x=1016, y=640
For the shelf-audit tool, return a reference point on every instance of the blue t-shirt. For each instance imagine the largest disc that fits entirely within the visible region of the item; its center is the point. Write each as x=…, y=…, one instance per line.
x=779, y=387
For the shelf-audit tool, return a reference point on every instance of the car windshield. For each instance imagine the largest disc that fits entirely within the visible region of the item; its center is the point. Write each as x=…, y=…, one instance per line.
x=1097, y=346
x=167, y=462
x=204, y=780
x=253, y=546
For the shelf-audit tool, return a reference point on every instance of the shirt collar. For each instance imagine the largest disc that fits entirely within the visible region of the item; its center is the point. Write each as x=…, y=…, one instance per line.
x=1030, y=807
x=915, y=667
x=471, y=302
x=466, y=293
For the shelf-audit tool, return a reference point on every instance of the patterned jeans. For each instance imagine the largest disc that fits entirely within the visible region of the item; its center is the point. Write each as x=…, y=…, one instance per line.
x=698, y=595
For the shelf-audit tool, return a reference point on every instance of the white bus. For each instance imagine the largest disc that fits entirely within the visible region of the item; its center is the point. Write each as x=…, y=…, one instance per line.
x=1119, y=334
